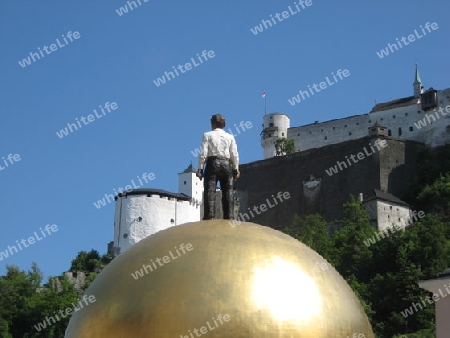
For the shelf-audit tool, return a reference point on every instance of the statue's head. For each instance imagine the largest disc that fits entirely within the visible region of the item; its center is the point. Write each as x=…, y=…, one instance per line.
x=218, y=121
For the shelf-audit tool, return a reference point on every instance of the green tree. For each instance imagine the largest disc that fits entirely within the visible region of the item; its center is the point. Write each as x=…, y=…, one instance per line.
x=91, y=264
x=25, y=303
x=18, y=289
x=435, y=197
x=90, y=261
x=432, y=163
x=312, y=231
x=283, y=146
x=4, y=329
x=49, y=308
x=351, y=255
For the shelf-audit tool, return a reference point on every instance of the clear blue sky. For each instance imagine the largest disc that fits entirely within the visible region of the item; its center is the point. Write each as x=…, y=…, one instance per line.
x=116, y=58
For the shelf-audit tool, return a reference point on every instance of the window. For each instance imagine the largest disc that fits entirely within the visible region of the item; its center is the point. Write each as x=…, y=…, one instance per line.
x=390, y=207
x=399, y=131
x=282, y=134
x=357, y=123
x=411, y=128
x=334, y=128
x=345, y=126
x=406, y=114
x=310, y=131
x=271, y=124
x=271, y=117
x=393, y=116
x=389, y=132
x=381, y=119
x=298, y=134
x=325, y=138
x=184, y=182
x=350, y=133
x=370, y=121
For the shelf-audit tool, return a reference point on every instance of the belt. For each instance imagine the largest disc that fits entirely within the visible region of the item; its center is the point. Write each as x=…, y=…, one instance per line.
x=217, y=158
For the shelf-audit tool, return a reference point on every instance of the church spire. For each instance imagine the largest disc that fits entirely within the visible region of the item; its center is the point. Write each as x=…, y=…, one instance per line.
x=418, y=88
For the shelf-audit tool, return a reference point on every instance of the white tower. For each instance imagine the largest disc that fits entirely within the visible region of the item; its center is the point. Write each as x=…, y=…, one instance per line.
x=275, y=126
x=140, y=213
x=190, y=185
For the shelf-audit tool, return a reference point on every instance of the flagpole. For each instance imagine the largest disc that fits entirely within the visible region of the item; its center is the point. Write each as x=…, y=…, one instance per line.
x=265, y=104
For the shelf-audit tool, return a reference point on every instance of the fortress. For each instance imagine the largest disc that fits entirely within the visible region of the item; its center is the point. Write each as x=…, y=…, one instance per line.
x=373, y=156
x=404, y=118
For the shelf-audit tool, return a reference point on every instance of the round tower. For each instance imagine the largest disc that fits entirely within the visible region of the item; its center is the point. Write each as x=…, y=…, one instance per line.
x=275, y=126
x=140, y=213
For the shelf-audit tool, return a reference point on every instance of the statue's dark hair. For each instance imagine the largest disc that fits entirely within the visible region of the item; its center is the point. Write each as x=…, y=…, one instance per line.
x=218, y=120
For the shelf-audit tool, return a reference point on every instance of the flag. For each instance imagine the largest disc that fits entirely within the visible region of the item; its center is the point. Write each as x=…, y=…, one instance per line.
x=263, y=94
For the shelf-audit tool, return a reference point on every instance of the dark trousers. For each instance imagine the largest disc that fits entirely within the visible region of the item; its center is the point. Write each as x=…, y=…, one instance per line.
x=218, y=169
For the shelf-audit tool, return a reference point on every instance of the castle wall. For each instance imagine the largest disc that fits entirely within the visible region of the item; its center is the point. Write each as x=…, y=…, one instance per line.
x=321, y=192
x=331, y=132
x=399, y=121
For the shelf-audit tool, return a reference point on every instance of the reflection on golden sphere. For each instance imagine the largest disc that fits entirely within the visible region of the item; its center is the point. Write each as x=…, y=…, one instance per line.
x=213, y=279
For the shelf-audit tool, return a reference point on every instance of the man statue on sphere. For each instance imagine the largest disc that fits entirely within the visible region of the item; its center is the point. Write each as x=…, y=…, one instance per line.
x=219, y=151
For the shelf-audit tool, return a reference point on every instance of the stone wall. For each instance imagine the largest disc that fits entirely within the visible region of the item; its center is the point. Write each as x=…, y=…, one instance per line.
x=311, y=189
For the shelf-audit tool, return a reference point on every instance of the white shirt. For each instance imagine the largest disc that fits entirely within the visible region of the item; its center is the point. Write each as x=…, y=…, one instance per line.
x=218, y=143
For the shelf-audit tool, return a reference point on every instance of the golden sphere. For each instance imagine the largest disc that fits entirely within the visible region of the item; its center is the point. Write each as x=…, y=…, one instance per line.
x=214, y=279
